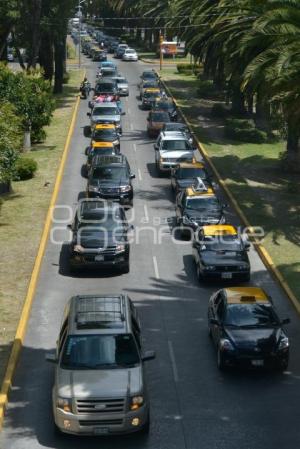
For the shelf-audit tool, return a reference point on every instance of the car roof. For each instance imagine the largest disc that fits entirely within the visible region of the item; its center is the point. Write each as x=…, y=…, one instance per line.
x=191, y=192
x=117, y=159
x=191, y=165
x=241, y=295
x=105, y=126
x=102, y=144
x=94, y=314
x=106, y=104
x=173, y=135
x=215, y=230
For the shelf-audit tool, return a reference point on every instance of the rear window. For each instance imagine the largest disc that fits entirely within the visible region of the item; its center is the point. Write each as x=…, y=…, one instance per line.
x=106, y=111
x=173, y=145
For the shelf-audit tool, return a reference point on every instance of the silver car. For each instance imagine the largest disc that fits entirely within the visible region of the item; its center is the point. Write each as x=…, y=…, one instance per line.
x=99, y=386
x=122, y=85
x=106, y=113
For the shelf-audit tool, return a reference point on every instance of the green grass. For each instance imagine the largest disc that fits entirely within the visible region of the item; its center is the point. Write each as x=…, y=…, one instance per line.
x=268, y=196
x=22, y=216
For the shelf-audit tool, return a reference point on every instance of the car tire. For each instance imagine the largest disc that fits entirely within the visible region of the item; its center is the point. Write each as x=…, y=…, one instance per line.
x=220, y=360
x=146, y=427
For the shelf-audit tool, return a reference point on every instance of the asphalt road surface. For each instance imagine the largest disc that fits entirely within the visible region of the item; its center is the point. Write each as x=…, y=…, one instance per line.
x=193, y=405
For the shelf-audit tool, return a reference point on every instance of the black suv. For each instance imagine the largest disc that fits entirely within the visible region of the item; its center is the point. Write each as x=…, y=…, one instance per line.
x=167, y=105
x=220, y=253
x=184, y=175
x=99, y=236
x=106, y=87
x=110, y=178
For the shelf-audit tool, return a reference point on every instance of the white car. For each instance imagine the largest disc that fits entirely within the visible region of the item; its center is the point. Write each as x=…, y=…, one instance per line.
x=130, y=55
x=171, y=149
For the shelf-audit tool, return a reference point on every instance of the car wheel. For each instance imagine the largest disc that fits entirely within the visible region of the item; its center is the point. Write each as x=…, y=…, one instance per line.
x=220, y=360
x=146, y=427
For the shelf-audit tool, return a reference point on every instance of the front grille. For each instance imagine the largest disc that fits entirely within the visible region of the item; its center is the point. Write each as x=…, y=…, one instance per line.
x=226, y=268
x=112, y=190
x=174, y=160
x=98, y=406
x=102, y=422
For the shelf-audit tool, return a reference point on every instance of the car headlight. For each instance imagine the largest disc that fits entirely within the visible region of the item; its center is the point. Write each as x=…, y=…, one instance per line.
x=125, y=188
x=284, y=343
x=136, y=402
x=64, y=404
x=226, y=345
x=242, y=267
x=120, y=248
x=209, y=267
x=93, y=188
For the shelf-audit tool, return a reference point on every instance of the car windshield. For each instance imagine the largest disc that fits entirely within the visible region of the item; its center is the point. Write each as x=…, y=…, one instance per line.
x=130, y=51
x=160, y=117
x=102, y=151
x=222, y=243
x=202, y=203
x=151, y=94
x=107, y=110
x=186, y=173
x=173, y=145
x=176, y=127
x=99, y=352
x=121, y=80
x=149, y=75
x=250, y=315
x=105, y=87
x=111, y=173
x=103, y=133
x=148, y=84
x=165, y=105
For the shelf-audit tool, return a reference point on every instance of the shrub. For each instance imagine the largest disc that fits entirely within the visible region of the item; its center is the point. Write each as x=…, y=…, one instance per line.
x=25, y=168
x=240, y=123
x=206, y=88
x=188, y=69
x=38, y=136
x=252, y=135
x=219, y=111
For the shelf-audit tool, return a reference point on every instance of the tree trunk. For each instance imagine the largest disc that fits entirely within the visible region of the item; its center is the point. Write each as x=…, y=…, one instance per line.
x=35, y=34
x=59, y=65
x=138, y=35
x=238, y=102
x=47, y=55
x=3, y=43
x=293, y=146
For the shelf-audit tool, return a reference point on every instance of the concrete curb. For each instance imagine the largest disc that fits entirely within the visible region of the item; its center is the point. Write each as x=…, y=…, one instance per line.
x=264, y=255
x=22, y=326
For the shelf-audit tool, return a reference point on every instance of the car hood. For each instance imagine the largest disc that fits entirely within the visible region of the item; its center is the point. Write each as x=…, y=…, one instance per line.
x=257, y=340
x=101, y=240
x=224, y=259
x=99, y=383
x=204, y=216
x=176, y=154
x=112, y=118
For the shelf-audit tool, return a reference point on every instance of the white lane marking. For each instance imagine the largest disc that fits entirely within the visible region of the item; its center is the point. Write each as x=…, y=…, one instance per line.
x=173, y=361
x=131, y=126
x=140, y=175
x=147, y=217
x=134, y=147
x=155, y=267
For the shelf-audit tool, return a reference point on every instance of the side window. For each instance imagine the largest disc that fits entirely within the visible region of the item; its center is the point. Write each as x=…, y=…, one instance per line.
x=220, y=308
x=63, y=335
x=135, y=325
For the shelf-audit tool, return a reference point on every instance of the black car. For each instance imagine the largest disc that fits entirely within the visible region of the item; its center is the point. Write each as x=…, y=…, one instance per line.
x=110, y=178
x=220, y=254
x=99, y=236
x=167, y=105
x=106, y=133
x=183, y=176
x=149, y=98
x=149, y=75
x=108, y=72
x=246, y=330
x=95, y=150
x=196, y=207
x=107, y=87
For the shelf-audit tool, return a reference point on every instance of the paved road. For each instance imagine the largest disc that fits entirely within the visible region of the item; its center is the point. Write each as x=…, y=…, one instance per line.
x=193, y=405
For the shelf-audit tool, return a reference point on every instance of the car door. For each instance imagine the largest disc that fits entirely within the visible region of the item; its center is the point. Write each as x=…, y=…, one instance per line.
x=217, y=308
x=179, y=205
x=197, y=243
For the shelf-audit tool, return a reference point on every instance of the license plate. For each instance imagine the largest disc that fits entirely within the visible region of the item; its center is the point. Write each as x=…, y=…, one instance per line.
x=257, y=362
x=99, y=258
x=100, y=430
x=226, y=275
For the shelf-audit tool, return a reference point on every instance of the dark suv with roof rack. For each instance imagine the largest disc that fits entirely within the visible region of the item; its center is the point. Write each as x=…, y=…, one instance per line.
x=110, y=178
x=99, y=236
x=100, y=386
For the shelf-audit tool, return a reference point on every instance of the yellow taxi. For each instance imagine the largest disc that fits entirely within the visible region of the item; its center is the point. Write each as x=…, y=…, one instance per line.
x=185, y=173
x=246, y=329
x=106, y=132
x=149, y=97
x=99, y=149
x=198, y=206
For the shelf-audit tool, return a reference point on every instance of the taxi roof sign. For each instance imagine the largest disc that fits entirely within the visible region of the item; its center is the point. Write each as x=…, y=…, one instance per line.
x=238, y=295
x=215, y=230
x=102, y=144
x=105, y=126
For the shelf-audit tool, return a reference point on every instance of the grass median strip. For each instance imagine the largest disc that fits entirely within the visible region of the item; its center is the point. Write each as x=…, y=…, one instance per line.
x=22, y=217
x=267, y=196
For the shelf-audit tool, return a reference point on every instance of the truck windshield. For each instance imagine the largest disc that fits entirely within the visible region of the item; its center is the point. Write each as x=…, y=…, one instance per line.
x=100, y=351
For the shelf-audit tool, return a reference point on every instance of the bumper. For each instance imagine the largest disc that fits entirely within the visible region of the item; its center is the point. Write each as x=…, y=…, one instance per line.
x=125, y=199
x=254, y=361
x=81, y=261
x=242, y=276
x=166, y=167
x=105, y=424
x=124, y=92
